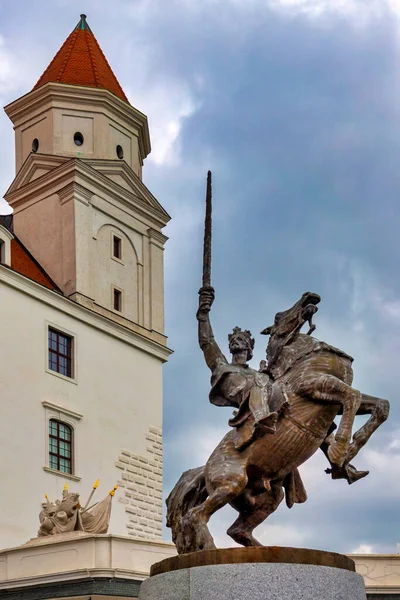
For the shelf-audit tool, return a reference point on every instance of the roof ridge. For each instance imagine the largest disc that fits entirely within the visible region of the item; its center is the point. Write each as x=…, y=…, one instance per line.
x=74, y=37
x=93, y=58
x=109, y=66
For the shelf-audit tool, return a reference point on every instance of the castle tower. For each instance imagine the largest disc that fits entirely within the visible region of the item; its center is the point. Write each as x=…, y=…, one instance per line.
x=81, y=285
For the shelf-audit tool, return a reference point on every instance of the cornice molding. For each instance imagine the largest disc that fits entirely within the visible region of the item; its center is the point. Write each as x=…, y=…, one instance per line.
x=32, y=163
x=51, y=94
x=75, y=191
x=157, y=238
x=81, y=172
x=107, y=167
x=66, y=411
x=81, y=313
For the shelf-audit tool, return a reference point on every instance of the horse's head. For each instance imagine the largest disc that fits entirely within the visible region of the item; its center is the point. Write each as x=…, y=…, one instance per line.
x=289, y=322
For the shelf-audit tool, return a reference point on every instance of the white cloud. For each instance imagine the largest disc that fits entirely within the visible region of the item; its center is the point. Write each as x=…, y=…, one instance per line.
x=199, y=441
x=395, y=443
x=268, y=534
x=4, y=207
x=363, y=549
x=12, y=70
x=167, y=105
x=281, y=535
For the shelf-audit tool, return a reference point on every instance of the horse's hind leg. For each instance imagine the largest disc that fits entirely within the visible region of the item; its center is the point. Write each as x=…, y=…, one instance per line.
x=378, y=408
x=328, y=388
x=226, y=487
x=253, y=514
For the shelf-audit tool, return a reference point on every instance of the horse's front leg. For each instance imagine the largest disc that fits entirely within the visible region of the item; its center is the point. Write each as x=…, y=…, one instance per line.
x=328, y=388
x=378, y=408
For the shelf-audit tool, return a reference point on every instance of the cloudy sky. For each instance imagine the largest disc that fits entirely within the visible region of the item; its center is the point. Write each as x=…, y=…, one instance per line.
x=295, y=106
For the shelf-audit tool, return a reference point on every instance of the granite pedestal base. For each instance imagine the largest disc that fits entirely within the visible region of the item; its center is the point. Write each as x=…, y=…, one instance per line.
x=255, y=573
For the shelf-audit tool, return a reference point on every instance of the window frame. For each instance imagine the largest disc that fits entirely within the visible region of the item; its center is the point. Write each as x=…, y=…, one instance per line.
x=117, y=290
x=5, y=240
x=65, y=332
x=119, y=236
x=60, y=440
x=117, y=241
x=72, y=419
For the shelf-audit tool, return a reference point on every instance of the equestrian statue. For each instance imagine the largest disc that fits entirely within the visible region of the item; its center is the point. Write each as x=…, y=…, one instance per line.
x=284, y=412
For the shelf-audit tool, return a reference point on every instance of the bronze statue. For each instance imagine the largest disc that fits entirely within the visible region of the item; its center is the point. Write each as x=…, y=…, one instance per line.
x=286, y=412
x=236, y=384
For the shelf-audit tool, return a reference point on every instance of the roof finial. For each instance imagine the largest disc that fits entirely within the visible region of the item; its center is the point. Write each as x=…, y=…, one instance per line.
x=82, y=23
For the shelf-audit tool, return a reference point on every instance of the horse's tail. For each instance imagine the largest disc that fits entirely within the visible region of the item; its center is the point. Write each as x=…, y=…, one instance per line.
x=190, y=491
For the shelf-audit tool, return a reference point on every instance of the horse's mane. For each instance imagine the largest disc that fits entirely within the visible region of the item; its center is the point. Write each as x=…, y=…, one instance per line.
x=298, y=348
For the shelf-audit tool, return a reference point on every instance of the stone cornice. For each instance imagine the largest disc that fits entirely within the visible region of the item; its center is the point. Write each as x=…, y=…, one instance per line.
x=80, y=171
x=80, y=565
x=67, y=411
x=61, y=94
x=32, y=163
x=157, y=238
x=81, y=313
x=108, y=167
x=75, y=191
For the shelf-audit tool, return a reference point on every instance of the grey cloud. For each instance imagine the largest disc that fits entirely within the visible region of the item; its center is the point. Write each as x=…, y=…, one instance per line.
x=299, y=122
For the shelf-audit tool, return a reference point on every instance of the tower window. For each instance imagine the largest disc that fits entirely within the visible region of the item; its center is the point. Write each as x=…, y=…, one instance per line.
x=117, y=295
x=78, y=138
x=35, y=145
x=60, y=446
x=2, y=252
x=120, y=152
x=60, y=352
x=117, y=247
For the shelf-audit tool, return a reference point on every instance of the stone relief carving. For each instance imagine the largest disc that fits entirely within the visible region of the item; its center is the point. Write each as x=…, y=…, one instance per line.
x=67, y=515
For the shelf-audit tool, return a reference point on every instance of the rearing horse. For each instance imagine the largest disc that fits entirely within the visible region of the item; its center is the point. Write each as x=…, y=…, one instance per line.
x=315, y=379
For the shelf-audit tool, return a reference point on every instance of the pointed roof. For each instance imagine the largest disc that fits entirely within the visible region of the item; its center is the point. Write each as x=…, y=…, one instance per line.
x=80, y=61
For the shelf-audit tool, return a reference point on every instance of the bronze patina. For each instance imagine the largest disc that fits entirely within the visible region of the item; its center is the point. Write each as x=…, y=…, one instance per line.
x=285, y=412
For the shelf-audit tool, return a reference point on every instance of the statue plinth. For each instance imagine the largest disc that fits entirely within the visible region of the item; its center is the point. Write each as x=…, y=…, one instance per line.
x=260, y=573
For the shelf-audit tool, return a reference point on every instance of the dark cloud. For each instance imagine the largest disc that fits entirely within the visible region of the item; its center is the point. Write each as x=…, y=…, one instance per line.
x=299, y=120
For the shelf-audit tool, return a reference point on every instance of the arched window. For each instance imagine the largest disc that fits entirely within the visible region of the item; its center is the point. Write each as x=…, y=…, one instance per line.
x=60, y=446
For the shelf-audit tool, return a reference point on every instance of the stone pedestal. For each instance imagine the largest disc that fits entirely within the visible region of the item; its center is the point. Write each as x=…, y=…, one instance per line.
x=270, y=573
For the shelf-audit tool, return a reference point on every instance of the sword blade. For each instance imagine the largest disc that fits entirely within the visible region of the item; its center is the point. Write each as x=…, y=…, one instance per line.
x=207, y=235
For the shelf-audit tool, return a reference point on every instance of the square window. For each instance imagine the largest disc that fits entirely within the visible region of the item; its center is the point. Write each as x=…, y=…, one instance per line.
x=60, y=353
x=117, y=247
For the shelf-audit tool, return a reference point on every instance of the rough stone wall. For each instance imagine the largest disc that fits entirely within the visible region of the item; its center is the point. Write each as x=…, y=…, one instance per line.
x=141, y=480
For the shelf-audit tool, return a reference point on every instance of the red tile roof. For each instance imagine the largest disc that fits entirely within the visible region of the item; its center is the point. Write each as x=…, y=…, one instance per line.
x=80, y=61
x=23, y=262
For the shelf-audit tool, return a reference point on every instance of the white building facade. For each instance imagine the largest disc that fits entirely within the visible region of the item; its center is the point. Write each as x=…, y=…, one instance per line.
x=81, y=290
